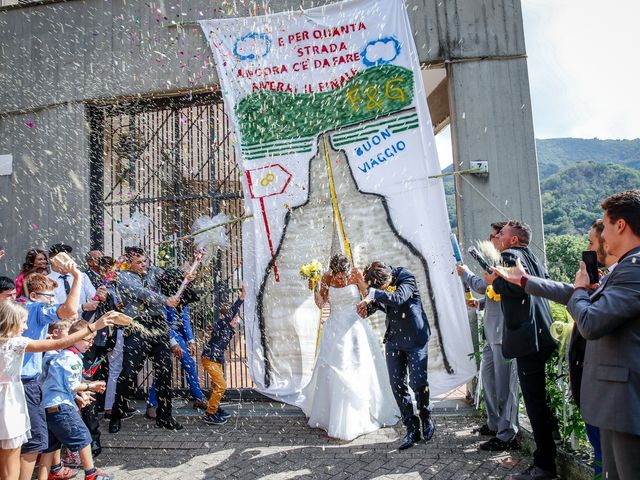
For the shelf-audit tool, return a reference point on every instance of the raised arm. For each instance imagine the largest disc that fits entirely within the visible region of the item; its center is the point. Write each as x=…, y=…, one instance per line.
x=69, y=309
x=477, y=284
x=58, y=344
x=618, y=303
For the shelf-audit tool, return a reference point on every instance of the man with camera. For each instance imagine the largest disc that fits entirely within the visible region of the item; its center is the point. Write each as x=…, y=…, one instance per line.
x=609, y=318
x=142, y=299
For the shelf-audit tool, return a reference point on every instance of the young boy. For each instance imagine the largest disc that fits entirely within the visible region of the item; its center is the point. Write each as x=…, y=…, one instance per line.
x=58, y=471
x=41, y=312
x=62, y=383
x=7, y=289
x=213, y=358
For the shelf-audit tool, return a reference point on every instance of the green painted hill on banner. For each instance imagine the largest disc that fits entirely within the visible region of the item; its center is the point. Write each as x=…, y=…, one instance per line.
x=267, y=116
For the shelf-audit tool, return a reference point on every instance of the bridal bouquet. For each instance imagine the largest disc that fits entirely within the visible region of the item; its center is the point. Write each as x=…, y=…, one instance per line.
x=311, y=271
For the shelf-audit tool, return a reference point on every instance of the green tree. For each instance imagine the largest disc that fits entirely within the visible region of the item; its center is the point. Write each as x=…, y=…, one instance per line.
x=563, y=256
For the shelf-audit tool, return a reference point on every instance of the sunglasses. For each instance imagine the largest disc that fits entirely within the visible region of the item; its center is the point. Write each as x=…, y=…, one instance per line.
x=49, y=295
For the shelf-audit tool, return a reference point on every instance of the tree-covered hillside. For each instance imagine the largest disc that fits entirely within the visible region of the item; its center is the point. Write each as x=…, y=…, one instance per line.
x=555, y=154
x=571, y=198
x=575, y=175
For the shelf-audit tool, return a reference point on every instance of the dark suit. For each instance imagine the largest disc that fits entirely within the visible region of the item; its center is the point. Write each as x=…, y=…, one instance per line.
x=561, y=293
x=609, y=319
x=142, y=300
x=526, y=338
x=406, y=342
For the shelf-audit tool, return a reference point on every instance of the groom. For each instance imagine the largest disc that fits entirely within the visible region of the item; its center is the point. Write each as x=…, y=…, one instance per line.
x=394, y=291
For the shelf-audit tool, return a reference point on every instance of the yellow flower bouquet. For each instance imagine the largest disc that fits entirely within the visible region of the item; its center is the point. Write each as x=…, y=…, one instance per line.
x=312, y=271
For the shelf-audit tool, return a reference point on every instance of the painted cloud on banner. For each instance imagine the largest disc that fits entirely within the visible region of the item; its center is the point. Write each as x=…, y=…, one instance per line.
x=381, y=52
x=252, y=46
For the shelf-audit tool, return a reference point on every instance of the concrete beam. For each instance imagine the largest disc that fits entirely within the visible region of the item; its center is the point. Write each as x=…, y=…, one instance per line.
x=82, y=50
x=438, y=101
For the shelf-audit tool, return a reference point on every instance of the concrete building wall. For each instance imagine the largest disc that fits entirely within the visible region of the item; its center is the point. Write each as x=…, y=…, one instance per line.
x=57, y=57
x=46, y=197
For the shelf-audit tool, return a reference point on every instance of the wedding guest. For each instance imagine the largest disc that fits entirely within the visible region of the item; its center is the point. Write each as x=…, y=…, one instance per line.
x=7, y=289
x=58, y=470
x=142, y=300
x=180, y=334
x=94, y=267
x=213, y=358
x=63, y=380
x=87, y=292
x=499, y=375
x=609, y=318
x=41, y=312
x=36, y=261
x=526, y=338
x=90, y=300
x=15, y=421
x=561, y=293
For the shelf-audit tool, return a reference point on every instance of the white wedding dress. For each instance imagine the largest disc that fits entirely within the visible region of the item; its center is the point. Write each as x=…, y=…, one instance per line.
x=349, y=392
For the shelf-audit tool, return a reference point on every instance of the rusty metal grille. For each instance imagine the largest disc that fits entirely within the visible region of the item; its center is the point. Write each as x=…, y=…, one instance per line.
x=173, y=161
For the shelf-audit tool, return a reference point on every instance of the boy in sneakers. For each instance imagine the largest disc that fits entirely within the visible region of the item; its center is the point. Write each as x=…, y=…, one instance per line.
x=62, y=383
x=41, y=310
x=213, y=358
x=57, y=330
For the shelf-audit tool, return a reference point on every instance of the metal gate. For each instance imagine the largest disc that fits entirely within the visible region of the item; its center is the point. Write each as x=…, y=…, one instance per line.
x=172, y=160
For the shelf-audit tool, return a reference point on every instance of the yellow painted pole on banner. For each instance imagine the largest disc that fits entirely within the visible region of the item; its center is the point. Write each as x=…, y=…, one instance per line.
x=337, y=219
x=334, y=201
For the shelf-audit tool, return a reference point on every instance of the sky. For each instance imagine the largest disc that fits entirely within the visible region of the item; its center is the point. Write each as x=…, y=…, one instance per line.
x=584, y=70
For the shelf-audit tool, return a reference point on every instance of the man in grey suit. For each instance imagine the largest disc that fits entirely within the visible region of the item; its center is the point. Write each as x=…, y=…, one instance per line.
x=499, y=375
x=609, y=318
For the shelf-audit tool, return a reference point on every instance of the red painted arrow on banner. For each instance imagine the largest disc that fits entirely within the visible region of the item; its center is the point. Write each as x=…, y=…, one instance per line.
x=267, y=182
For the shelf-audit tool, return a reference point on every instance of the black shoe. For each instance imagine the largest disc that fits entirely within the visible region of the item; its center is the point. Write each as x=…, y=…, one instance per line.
x=127, y=414
x=428, y=428
x=411, y=438
x=533, y=473
x=497, y=445
x=485, y=430
x=115, y=425
x=96, y=449
x=169, y=423
x=214, y=419
x=223, y=414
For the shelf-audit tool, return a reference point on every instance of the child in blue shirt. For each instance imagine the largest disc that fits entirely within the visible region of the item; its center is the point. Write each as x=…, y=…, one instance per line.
x=41, y=311
x=63, y=381
x=213, y=358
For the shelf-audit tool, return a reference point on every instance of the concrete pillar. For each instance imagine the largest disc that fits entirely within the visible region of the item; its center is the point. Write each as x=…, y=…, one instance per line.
x=491, y=120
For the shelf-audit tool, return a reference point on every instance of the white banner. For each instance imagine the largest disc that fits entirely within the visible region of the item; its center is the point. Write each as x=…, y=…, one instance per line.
x=333, y=130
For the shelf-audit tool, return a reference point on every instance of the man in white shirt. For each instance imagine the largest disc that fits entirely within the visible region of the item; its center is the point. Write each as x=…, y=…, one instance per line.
x=87, y=290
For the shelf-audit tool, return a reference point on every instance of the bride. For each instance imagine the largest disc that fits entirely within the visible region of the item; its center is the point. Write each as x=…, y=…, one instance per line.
x=349, y=392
